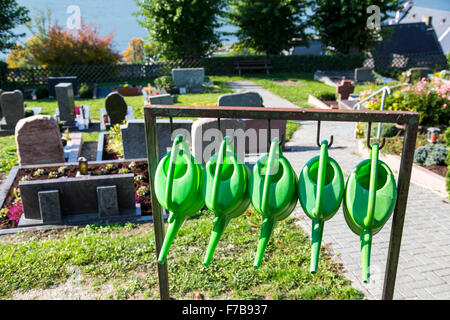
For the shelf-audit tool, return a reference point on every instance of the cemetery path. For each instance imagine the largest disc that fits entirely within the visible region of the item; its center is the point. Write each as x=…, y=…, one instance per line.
x=424, y=264
x=270, y=99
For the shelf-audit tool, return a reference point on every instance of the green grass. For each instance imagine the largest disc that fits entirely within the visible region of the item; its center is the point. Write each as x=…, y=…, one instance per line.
x=124, y=256
x=8, y=155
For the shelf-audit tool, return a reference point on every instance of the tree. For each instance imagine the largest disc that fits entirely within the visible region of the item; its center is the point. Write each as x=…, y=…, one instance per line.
x=181, y=29
x=60, y=47
x=269, y=26
x=138, y=51
x=11, y=15
x=342, y=24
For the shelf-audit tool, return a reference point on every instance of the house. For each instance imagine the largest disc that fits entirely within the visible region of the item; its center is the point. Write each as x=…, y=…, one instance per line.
x=406, y=45
x=438, y=19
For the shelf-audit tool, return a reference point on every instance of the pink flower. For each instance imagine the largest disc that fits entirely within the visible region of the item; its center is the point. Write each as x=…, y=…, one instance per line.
x=445, y=105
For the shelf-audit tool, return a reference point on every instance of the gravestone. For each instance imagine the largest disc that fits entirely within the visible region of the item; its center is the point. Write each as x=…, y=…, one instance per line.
x=66, y=102
x=12, y=109
x=133, y=136
x=247, y=99
x=206, y=142
x=191, y=78
x=53, y=81
x=50, y=205
x=79, y=198
x=38, y=141
x=256, y=130
x=162, y=99
x=116, y=107
x=363, y=74
x=344, y=89
x=414, y=74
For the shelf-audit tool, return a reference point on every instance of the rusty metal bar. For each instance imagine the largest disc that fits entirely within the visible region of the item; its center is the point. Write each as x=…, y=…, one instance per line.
x=404, y=177
x=401, y=117
x=151, y=138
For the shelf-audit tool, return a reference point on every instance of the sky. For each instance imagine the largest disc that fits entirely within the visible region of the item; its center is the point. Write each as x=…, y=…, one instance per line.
x=117, y=16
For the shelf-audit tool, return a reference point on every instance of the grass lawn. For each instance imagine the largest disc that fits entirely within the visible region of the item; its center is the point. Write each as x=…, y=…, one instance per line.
x=118, y=262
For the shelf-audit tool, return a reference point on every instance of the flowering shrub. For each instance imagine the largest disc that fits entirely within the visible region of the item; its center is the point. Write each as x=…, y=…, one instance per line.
x=15, y=211
x=39, y=172
x=62, y=170
x=139, y=177
x=3, y=212
x=123, y=171
x=430, y=98
x=26, y=178
x=140, y=193
x=132, y=165
x=53, y=174
x=109, y=167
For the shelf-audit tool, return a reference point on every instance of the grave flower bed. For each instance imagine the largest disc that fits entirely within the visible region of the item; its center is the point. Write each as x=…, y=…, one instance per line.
x=11, y=209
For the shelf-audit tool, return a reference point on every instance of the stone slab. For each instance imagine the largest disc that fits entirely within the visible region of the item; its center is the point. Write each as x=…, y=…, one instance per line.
x=13, y=109
x=162, y=99
x=107, y=201
x=244, y=99
x=363, y=74
x=49, y=206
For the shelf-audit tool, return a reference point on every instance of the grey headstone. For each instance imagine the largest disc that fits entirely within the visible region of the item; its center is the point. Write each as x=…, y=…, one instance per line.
x=12, y=108
x=53, y=81
x=163, y=99
x=116, y=107
x=133, y=136
x=107, y=201
x=38, y=141
x=419, y=72
x=191, y=78
x=49, y=206
x=206, y=143
x=78, y=195
x=245, y=99
x=363, y=74
x=66, y=102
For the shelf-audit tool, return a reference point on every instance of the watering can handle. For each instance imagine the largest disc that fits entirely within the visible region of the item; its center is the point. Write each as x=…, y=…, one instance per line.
x=368, y=221
x=217, y=174
x=321, y=178
x=173, y=156
x=274, y=149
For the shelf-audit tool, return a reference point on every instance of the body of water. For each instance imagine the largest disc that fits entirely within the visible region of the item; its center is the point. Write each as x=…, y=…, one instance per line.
x=117, y=16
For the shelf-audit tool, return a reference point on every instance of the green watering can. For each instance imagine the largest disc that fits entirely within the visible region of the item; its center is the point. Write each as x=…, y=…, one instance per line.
x=273, y=192
x=370, y=196
x=225, y=190
x=320, y=190
x=178, y=181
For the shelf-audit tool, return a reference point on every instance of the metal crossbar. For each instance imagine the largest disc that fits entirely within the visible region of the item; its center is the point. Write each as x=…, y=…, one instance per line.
x=410, y=119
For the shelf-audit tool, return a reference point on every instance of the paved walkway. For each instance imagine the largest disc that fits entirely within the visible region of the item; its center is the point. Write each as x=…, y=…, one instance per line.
x=424, y=264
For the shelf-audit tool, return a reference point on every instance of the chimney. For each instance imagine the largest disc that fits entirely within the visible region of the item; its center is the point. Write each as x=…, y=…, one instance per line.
x=427, y=20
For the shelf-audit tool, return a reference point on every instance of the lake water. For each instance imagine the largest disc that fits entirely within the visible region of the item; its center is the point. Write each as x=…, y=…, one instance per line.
x=116, y=15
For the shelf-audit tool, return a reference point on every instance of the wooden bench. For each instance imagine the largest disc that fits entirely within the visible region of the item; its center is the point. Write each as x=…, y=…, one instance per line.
x=252, y=65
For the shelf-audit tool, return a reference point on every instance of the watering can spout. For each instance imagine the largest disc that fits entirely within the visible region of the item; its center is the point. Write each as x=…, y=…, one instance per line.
x=174, y=226
x=366, y=244
x=220, y=223
x=266, y=231
x=316, y=240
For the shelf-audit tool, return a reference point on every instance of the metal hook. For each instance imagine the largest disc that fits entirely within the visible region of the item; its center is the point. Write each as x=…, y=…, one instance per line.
x=368, y=138
x=318, y=136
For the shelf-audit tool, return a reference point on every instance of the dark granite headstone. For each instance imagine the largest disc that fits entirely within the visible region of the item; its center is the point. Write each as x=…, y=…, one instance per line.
x=116, y=107
x=78, y=195
x=66, y=102
x=53, y=81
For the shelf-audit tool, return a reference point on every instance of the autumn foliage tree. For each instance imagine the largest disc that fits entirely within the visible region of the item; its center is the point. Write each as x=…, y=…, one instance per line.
x=61, y=47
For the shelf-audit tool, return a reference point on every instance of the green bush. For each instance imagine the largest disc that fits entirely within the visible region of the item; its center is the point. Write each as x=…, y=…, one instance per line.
x=86, y=91
x=29, y=113
x=42, y=93
x=325, y=96
x=447, y=137
x=431, y=155
x=388, y=130
x=164, y=82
